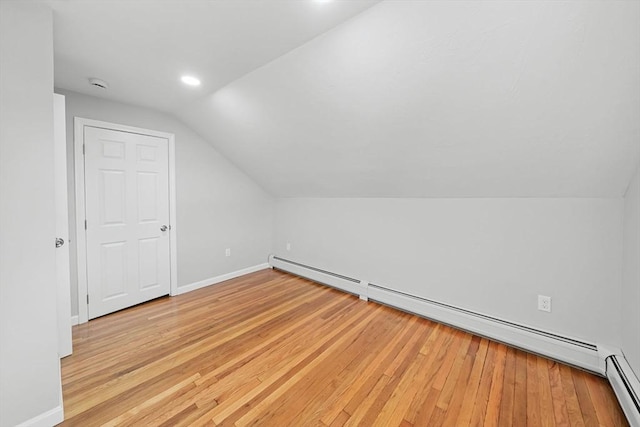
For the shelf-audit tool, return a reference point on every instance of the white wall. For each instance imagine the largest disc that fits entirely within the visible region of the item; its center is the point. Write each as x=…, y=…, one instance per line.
x=493, y=256
x=631, y=276
x=29, y=364
x=218, y=206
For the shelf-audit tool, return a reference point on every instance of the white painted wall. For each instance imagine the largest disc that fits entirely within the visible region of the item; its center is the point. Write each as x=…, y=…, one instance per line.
x=493, y=256
x=29, y=364
x=631, y=275
x=218, y=206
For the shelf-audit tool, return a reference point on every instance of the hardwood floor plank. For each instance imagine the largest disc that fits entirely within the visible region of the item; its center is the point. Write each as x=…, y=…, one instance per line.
x=336, y=406
x=371, y=400
x=394, y=410
x=147, y=370
x=136, y=410
x=340, y=420
x=332, y=388
x=308, y=394
x=584, y=399
x=600, y=403
x=533, y=392
x=264, y=406
x=492, y=414
x=484, y=388
x=244, y=357
x=404, y=403
x=544, y=389
x=433, y=395
x=558, y=397
x=296, y=353
x=507, y=401
x=456, y=402
x=363, y=388
x=466, y=411
x=373, y=410
x=520, y=407
x=570, y=397
x=142, y=354
x=460, y=368
x=273, y=349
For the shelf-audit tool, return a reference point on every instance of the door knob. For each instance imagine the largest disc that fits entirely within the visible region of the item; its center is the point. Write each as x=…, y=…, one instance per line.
x=164, y=228
x=59, y=242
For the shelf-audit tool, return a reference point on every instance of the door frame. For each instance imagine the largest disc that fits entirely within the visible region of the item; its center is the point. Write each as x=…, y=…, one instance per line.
x=63, y=267
x=79, y=124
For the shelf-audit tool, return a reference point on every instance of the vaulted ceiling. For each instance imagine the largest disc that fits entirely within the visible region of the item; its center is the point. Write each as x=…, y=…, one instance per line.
x=390, y=99
x=142, y=47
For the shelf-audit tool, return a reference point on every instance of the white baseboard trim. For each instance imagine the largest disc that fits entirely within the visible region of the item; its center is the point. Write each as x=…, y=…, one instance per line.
x=626, y=386
x=74, y=320
x=50, y=418
x=566, y=349
x=213, y=280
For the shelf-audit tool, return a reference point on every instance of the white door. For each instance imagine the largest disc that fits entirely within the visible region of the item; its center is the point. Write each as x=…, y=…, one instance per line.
x=63, y=278
x=127, y=212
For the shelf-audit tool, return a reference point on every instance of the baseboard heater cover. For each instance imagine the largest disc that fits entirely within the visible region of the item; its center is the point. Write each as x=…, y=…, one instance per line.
x=568, y=340
x=565, y=349
x=626, y=387
x=339, y=281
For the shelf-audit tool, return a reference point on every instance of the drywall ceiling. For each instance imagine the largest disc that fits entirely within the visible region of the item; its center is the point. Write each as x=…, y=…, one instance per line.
x=406, y=98
x=142, y=47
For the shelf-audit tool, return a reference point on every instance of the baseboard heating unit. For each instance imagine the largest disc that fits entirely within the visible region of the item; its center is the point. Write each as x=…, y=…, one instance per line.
x=626, y=386
x=335, y=280
x=565, y=349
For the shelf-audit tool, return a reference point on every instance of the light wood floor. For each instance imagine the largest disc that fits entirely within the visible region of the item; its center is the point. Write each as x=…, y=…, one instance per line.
x=271, y=349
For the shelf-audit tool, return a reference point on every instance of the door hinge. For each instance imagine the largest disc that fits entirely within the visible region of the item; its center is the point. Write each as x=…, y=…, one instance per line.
x=87, y=299
x=83, y=150
x=85, y=224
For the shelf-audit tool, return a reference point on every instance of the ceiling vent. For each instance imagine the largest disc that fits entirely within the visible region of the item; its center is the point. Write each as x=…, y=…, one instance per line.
x=98, y=83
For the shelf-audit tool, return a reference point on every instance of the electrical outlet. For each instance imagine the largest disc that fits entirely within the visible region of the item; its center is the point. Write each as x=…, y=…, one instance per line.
x=227, y=252
x=544, y=303
x=288, y=246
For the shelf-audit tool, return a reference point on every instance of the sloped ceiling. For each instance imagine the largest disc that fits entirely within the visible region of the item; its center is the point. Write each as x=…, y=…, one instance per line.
x=442, y=99
x=142, y=47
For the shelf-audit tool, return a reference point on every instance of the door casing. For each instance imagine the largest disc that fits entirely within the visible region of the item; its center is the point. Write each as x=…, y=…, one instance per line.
x=63, y=268
x=79, y=124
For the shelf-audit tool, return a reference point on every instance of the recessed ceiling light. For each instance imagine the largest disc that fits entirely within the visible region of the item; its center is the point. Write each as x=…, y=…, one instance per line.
x=190, y=80
x=323, y=1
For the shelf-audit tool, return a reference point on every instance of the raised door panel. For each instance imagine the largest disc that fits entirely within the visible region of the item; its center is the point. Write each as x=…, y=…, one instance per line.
x=148, y=190
x=112, y=194
x=148, y=268
x=113, y=266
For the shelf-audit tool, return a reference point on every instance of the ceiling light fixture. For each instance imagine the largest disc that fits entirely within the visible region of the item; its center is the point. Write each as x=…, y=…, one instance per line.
x=190, y=81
